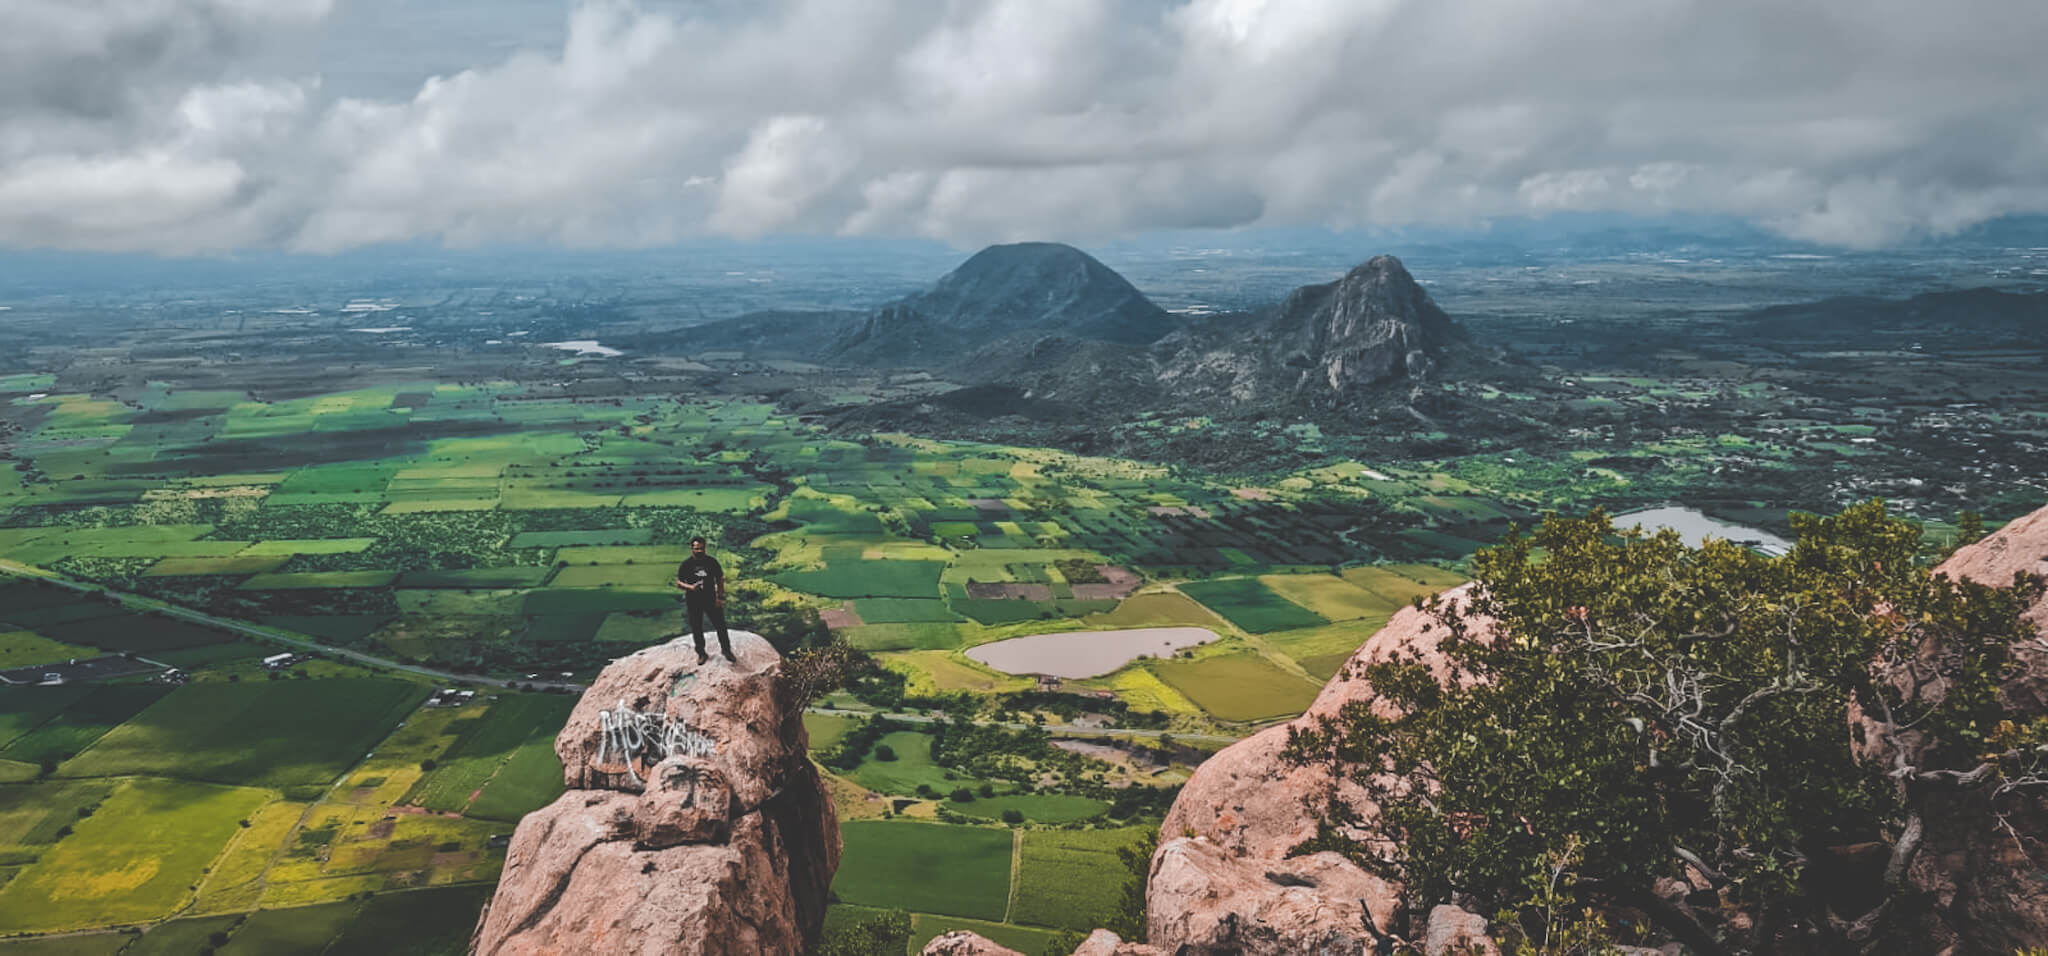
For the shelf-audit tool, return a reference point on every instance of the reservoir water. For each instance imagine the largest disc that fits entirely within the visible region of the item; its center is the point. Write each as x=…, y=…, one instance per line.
x=1695, y=527
x=1077, y=654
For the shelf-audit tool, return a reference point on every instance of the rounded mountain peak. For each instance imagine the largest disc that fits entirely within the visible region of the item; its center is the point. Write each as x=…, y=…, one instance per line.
x=1041, y=287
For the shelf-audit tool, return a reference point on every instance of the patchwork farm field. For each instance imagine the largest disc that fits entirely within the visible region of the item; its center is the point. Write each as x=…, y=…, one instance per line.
x=487, y=530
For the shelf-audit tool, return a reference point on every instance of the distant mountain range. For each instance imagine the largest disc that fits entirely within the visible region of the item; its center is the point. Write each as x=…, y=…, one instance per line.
x=1047, y=323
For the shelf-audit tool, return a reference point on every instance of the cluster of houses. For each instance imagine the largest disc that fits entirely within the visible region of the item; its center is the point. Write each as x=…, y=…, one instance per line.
x=278, y=662
x=450, y=697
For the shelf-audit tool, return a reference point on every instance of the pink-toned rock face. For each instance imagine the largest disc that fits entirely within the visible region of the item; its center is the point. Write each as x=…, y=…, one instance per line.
x=964, y=943
x=1221, y=877
x=1978, y=872
x=694, y=823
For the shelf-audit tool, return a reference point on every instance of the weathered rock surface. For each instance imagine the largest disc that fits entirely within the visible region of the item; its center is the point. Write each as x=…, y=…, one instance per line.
x=1221, y=880
x=964, y=943
x=694, y=821
x=1457, y=932
x=1981, y=875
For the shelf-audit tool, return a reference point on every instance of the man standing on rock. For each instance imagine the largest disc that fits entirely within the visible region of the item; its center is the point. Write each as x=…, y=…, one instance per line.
x=702, y=581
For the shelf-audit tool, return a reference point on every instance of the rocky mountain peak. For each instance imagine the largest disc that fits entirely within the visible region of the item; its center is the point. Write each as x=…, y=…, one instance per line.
x=1373, y=325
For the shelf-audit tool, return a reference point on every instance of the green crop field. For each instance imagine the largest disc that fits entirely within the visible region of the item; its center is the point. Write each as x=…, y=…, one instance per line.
x=275, y=733
x=1334, y=598
x=596, y=601
x=1071, y=879
x=860, y=579
x=88, y=719
x=435, y=922
x=934, y=868
x=484, y=743
x=26, y=648
x=88, y=944
x=529, y=780
x=1036, y=807
x=319, y=579
x=299, y=931
x=825, y=730
x=181, y=937
x=31, y=814
x=513, y=577
x=902, y=611
x=134, y=859
x=1237, y=686
x=1251, y=605
x=23, y=708
x=310, y=546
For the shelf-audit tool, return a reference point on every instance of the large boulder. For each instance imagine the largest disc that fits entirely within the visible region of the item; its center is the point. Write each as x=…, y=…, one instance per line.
x=1222, y=880
x=694, y=822
x=1979, y=864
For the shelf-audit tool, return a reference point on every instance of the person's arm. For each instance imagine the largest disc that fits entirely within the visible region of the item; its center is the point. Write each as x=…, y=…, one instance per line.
x=718, y=574
x=679, y=576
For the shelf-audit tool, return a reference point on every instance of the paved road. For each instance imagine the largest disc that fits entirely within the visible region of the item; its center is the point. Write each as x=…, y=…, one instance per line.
x=1063, y=730
x=137, y=602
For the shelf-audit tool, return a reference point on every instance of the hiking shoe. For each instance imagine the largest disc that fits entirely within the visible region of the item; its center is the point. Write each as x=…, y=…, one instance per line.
x=703, y=658
x=728, y=656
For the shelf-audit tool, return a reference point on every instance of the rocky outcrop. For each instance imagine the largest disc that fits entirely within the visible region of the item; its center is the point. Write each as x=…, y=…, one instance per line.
x=1222, y=881
x=694, y=821
x=1979, y=873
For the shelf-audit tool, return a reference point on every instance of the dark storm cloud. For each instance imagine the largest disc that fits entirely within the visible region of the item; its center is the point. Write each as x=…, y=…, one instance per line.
x=186, y=126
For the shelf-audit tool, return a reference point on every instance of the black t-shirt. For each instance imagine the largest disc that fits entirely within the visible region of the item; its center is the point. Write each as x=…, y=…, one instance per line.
x=707, y=578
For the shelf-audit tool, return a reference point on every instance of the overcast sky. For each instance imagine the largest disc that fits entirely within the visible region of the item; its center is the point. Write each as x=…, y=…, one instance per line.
x=206, y=126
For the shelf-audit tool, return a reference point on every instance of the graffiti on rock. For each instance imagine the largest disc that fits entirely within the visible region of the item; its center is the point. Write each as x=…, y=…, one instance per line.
x=640, y=739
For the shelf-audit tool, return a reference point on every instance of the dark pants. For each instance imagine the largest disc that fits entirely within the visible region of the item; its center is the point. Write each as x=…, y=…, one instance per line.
x=697, y=613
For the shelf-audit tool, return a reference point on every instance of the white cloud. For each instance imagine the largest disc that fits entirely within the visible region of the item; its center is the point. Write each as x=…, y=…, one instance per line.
x=185, y=126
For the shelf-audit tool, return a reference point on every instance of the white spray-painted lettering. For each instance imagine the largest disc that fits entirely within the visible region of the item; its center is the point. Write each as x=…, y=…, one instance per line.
x=647, y=738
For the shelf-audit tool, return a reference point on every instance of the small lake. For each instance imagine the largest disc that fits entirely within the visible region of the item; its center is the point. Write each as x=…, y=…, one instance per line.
x=1079, y=654
x=583, y=347
x=1695, y=527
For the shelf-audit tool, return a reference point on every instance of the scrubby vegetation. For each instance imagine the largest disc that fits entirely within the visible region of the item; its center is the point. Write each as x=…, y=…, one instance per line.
x=1642, y=710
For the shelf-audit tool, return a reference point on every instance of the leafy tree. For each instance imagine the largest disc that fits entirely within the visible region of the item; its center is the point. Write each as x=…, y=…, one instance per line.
x=884, y=752
x=884, y=934
x=1640, y=709
x=962, y=795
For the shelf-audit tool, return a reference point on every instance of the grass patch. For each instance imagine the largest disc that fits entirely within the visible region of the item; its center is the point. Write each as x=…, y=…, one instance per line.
x=1071, y=879
x=938, y=868
x=273, y=734
x=77, y=726
x=434, y=922
x=595, y=601
x=868, y=579
x=310, y=546
x=180, y=937
x=523, y=576
x=1251, y=605
x=902, y=611
x=300, y=931
x=32, y=813
x=319, y=579
x=1238, y=686
x=27, y=648
x=1038, y=807
x=826, y=730
x=136, y=859
x=530, y=780
x=22, y=709
x=484, y=745
x=913, y=765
